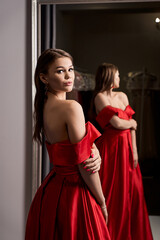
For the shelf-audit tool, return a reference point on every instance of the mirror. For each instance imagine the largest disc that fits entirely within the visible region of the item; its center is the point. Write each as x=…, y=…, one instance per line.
x=121, y=32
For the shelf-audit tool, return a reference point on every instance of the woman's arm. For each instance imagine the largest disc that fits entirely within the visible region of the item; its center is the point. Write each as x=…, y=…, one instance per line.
x=134, y=147
x=76, y=130
x=101, y=101
x=94, y=184
x=119, y=123
x=93, y=163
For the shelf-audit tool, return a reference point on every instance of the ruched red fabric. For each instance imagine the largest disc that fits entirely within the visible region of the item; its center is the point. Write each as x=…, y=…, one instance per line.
x=121, y=183
x=67, y=154
x=63, y=207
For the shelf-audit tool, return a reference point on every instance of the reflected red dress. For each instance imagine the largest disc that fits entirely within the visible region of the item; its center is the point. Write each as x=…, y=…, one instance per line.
x=63, y=207
x=121, y=183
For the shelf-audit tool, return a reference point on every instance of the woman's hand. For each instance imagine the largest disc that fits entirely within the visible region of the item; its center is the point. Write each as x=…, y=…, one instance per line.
x=135, y=158
x=93, y=163
x=134, y=124
x=105, y=212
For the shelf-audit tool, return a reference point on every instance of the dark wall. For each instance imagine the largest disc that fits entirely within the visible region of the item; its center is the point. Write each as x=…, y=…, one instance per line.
x=129, y=40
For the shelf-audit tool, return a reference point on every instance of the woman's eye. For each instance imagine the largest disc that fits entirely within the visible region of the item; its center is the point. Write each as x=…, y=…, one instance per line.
x=60, y=71
x=71, y=69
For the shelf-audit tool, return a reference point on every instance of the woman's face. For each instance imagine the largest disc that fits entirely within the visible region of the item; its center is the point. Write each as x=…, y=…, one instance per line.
x=60, y=75
x=116, y=80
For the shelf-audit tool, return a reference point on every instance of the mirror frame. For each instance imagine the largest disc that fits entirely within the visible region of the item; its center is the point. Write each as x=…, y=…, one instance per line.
x=36, y=46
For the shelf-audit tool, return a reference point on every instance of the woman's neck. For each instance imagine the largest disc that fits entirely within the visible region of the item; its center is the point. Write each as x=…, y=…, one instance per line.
x=109, y=93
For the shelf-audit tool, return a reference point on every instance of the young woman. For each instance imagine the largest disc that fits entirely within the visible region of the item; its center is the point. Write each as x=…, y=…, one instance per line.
x=120, y=173
x=69, y=204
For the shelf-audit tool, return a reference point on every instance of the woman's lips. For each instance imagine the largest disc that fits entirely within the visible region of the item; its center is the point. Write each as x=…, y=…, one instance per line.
x=68, y=84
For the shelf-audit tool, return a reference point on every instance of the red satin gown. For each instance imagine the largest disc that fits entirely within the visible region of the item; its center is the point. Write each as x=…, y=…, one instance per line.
x=121, y=183
x=63, y=207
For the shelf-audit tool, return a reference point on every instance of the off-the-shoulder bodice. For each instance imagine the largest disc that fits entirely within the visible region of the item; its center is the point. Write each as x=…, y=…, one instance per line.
x=107, y=113
x=68, y=154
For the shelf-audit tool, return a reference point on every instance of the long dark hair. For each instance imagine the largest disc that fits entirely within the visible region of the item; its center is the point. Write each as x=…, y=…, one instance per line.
x=43, y=64
x=104, y=80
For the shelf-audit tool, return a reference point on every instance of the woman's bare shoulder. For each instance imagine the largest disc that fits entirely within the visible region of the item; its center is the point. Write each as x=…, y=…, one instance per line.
x=101, y=98
x=65, y=111
x=99, y=95
x=72, y=108
x=123, y=97
x=65, y=107
x=101, y=101
x=66, y=104
x=72, y=105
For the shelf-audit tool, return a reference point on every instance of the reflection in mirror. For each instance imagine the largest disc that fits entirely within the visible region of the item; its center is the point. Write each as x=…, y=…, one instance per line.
x=127, y=36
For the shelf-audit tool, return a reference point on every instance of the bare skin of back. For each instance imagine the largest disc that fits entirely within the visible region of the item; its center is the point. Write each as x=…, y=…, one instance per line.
x=55, y=117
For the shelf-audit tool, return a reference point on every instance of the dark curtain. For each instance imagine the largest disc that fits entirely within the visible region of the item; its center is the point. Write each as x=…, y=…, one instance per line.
x=48, y=40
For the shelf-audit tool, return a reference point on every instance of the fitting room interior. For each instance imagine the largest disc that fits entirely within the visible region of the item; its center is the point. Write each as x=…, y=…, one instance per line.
x=121, y=32
x=127, y=35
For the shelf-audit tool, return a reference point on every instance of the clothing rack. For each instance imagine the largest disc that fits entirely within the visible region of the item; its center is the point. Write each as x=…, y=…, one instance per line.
x=142, y=82
x=84, y=81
